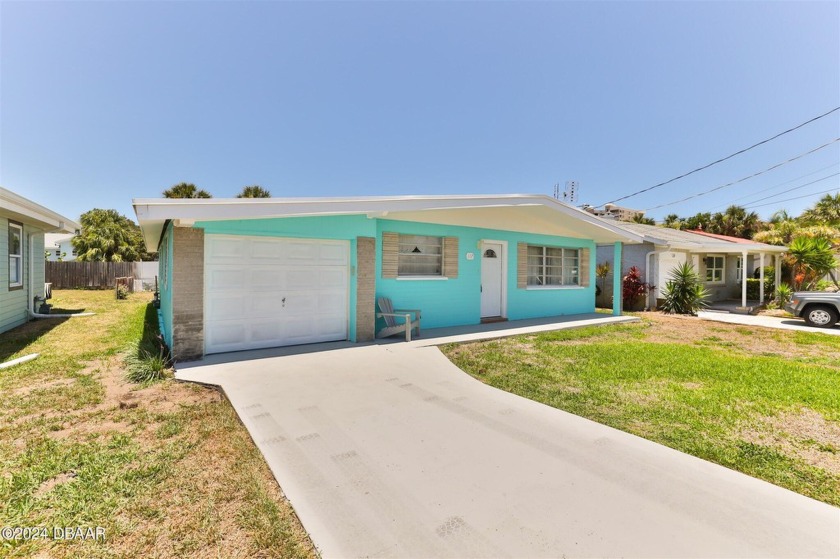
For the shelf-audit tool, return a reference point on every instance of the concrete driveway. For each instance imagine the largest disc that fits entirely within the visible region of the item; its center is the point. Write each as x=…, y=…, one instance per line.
x=768, y=322
x=392, y=451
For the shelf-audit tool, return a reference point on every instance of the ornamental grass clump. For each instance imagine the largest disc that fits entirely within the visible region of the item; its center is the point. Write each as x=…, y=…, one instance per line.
x=684, y=293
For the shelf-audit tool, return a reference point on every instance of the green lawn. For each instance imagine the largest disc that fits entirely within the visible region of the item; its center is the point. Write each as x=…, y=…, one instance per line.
x=166, y=468
x=764, y=402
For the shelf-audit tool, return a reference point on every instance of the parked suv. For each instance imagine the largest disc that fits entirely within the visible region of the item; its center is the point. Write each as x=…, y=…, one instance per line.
x=818, y=308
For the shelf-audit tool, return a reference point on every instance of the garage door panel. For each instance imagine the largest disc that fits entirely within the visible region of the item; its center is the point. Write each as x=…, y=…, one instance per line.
x=267, y=250
x=264, y=278
x=227, y=307
x=302, y=279
x=332, y=278
x=298, y=252
x=226, y=333
x=331, y=325
x=331, y=302
x=333, y=255
x=248, y=278
x=263, y=331
x=224, y=250
x=223, y=279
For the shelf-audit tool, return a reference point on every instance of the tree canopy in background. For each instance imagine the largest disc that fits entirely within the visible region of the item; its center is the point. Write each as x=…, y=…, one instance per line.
x=185, y=190
x=255, y=191
x=108, y=236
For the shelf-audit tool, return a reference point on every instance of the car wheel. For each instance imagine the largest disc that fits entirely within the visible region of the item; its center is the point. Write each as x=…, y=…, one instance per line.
x=821, y=316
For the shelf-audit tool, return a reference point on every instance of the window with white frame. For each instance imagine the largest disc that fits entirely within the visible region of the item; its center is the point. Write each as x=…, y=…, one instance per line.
x=15, y=255
x=420, y=255
x=714, y=269
x=739, y=270
x=553, y=266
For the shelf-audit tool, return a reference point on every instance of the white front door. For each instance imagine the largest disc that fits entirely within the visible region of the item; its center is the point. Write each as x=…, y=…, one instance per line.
x=492, y=272
x=269, y=292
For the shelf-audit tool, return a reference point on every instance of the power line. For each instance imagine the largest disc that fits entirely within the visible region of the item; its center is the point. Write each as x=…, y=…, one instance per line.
x=769, y=189
x=835, y=189
x=723, y=158
x=791, y=189
x=776, y=166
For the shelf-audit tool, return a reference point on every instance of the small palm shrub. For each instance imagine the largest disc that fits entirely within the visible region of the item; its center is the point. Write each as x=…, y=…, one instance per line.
x=147, y=360
x=684, y=293
x=783, y=294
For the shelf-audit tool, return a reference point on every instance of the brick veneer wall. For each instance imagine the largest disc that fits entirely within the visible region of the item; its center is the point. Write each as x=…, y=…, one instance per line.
x=187, y=294
x=365, y=288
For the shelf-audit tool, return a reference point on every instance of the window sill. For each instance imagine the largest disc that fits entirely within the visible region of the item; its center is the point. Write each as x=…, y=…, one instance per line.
x=15, y=287
x=422, y=278
x=552, y=287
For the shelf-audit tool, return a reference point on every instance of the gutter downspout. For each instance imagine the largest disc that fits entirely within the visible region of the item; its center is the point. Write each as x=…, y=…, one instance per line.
x=649, y=267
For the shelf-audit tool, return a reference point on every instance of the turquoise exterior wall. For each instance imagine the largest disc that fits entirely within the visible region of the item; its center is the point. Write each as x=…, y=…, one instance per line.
x=457, y=301
x=444, y=302
x=344, y=227
x=339, y=227
x=165, y=285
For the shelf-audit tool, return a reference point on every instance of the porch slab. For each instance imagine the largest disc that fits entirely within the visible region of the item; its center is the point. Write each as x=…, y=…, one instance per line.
x=489, y=331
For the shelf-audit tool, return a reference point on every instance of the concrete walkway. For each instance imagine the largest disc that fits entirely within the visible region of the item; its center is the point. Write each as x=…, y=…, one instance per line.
x=392, y=451
x=768, y=322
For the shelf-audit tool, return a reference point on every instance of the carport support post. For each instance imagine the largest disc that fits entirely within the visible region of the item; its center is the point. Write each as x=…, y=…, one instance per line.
x=777, y=280
x=761, y=278
x=617, y=279
x=744, y=279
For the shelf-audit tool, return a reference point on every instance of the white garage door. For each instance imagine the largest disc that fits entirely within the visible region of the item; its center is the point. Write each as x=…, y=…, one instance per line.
x=268, y=292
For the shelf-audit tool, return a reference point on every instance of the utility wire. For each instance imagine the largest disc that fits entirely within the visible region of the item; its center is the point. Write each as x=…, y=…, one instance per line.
x=776, y=166
x=835, y=189
x=835, y=109
x=790, y=190
x=785, y=183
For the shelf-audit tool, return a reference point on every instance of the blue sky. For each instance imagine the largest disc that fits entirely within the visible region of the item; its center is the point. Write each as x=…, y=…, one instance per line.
x=102, y=102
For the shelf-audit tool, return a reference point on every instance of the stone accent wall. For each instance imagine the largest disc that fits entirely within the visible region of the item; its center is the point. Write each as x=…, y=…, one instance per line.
x=187, y=294
x=365, y=288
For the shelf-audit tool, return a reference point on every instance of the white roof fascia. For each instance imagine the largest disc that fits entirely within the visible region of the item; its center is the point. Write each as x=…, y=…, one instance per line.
x=719, y=246
x=45, y=217
x=153, y=212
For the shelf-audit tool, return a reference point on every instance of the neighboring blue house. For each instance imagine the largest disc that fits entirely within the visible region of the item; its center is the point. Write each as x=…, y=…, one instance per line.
x=23, y=224
x=241, y=274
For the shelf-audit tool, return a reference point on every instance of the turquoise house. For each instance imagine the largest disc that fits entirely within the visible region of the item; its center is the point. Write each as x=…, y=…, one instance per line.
x=239, y=274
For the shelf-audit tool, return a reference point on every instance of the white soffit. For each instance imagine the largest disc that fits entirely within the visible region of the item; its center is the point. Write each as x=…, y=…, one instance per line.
x=514, y=212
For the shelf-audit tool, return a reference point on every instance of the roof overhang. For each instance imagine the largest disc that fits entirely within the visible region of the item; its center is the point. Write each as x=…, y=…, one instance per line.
x=28, y=212
x=527, y=213
x=719, y=247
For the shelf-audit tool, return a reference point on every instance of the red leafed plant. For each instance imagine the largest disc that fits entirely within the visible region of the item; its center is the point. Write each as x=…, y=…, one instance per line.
x=632, y=287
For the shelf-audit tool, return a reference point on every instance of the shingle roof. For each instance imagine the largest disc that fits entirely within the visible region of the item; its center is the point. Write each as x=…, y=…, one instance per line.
x=694, y=240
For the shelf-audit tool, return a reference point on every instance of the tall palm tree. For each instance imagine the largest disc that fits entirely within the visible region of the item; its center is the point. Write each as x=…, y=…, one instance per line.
x=825, y=212
x=673, y=221
x=255, y=191
x=640, y=218
x=735, y=222
x=185, y=190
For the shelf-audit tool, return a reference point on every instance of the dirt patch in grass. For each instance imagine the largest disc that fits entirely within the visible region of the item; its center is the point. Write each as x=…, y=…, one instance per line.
x=806, y=435
x=167, y=469
x=663, y=328
x=50, y=484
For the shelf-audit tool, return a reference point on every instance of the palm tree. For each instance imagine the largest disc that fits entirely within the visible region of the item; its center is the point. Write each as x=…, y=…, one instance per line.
x=735, y=222
x=813, y=258
x=825, y=212
x=185, y=190
x=640, y=218
x=255, y=191
x=673, y=221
